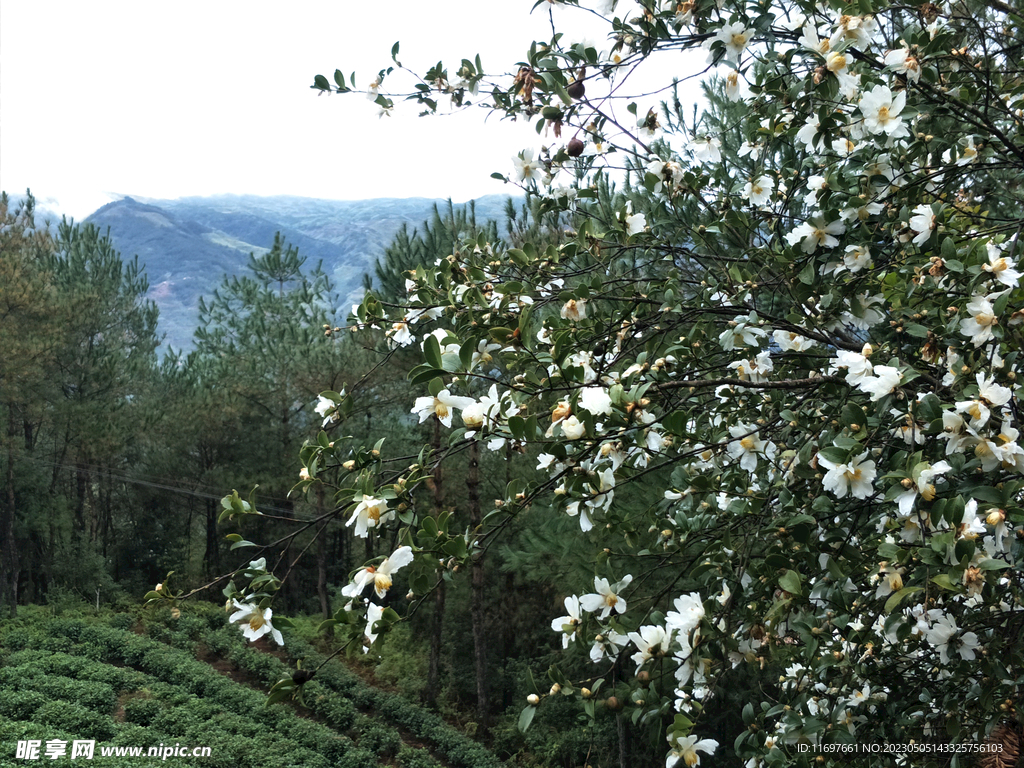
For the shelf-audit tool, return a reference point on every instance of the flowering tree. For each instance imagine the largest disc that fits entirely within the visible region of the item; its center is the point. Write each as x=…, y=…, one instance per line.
x=792, y=341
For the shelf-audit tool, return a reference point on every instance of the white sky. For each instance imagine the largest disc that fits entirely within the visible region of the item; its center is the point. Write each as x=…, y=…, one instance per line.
x=107, y=98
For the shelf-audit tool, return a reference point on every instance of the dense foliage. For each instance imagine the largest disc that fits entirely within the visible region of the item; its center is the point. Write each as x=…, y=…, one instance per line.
x=122, y=684
x=773, y=382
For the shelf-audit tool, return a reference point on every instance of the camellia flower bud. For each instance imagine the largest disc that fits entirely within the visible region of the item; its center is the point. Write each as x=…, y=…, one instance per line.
x=533, y=699
x=995, y=517
x=556, y=688
x=561, y=411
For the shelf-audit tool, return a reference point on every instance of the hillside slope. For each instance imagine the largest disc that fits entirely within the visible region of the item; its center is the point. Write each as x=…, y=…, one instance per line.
x=188, y=245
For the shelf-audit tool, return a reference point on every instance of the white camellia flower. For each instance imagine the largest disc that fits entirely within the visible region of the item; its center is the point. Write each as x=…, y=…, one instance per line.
x=686, y=749
x=326, y=409
x=596, y=400
x=650, y=639
x=635, y=223
x=369, y=513
x=706, y=149
x=741, y=334
x=809, y=135
x=812, y=40
x=884, y=381
x=488, y=410
x=749, y=446
x=255, y=622
x=735, y=36
x=689, y=610
x=855, y=30
x=837, y=62
x=374, y=613
x=379, y=576
x=923, y=486
x=566, y=625
x=982, y=317
x=1000, y=267
x=941, y=633
x=574, y=309
x=400, y=335
x=759, y=191
x=854, y=477
x=792, y=342
x=989, y=394
x=902, y=62
x=922, y=222
x=734, y=86
x=755, y=370
x=606, y=598
x=890, y=580
x=816, y=232
x=573, y=428
x=881, y=111
x=607, y=644
x=443, y=406
x=526, y=167
x=967, y=155
x=858, y=367
x=482, y=353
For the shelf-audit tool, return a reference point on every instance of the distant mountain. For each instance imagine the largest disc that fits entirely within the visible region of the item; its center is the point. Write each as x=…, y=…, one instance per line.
x=188, y=245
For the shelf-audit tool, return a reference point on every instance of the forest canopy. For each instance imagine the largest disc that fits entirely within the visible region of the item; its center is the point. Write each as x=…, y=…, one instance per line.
x=719, y=430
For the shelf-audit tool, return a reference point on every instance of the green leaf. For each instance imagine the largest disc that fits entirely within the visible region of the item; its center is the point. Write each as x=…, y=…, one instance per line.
x=790, y=582
x=897, y=597
x=526, y=717
x=432, y=351
x=992, y=565
x=945, y=582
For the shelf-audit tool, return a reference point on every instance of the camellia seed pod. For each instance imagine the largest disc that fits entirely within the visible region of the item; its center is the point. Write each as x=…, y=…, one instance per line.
x=302, y=676
x=576, y=88
x=574, y=148
x=613, y=703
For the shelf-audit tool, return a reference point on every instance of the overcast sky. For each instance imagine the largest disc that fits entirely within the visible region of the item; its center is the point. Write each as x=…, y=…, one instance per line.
x=102, y=99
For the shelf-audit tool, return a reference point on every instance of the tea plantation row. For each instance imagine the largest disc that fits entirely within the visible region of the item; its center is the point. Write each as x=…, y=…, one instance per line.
x=79, y=678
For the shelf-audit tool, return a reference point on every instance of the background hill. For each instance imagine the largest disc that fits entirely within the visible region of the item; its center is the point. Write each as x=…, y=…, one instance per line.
x=187, y=245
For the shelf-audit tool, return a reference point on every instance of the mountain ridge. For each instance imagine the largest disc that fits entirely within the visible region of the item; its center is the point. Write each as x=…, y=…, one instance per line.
x=187, y=245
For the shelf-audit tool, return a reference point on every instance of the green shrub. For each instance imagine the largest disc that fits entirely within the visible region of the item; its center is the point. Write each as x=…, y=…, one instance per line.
x=57, y=644
x=20, y=705
x=132, y=734
x=76, y=719
x=141, y=711
x=358, y=758
x=121, y=621
x=380, y=739
x=403, y=663
x=416, y=758
x=96, y=696
x=69, y=628
x=319, y=738
x=19, y=639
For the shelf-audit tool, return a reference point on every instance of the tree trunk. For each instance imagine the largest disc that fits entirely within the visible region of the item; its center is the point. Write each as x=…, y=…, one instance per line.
x=8, y=552
x=211, y=559
x=623, y=734
x=321, y=555
x=477, y=595
x=437, y=630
